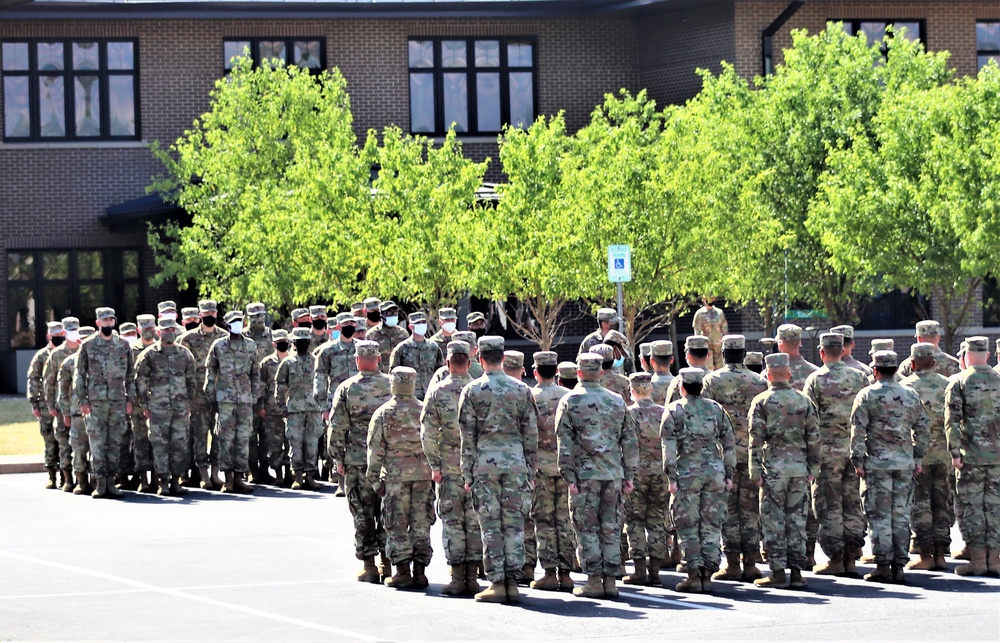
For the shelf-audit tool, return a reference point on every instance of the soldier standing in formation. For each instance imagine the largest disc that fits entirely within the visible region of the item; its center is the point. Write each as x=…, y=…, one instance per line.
x=929, y=332
x=274, y=423
x=661, y=358
x=609, y=378
x=387, y=333
x=50, y=375
x=848, y=359
x=258, y=331
x=36, y=397
x=754, y=361
x=418, y=353
x=696, y=355
x=293, y=396
x=566, y=375
x=142, y=450
x=607, y=321
x=448, y=321
x=199, y=341
x=711, y=322
x=69, y=405
x=318, y=320
x=336, y=361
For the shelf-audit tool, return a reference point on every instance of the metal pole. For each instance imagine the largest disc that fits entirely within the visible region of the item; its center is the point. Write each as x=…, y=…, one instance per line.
x=619, y=292
x=786, y=285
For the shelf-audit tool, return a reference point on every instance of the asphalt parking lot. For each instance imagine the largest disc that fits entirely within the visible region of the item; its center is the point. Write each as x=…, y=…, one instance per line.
x=280, y=566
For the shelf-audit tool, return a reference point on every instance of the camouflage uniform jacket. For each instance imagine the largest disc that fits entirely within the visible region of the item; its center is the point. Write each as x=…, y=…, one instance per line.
x=475, y=371
x=36, y=390
x=440, y=340
x=696, y=437
x=317, y=342
x=784, y=434
x=439, y=434
x=104, y=370
x=661, y=384
x=889, y=428
x=617, y=384
x=50, y=374
x=646, y=417
x=855, y=364
x=353, y=404
x=801, y=369
x=388, y=338
x=547, y=396
x=137, y=349
x=199, y=343
x=499, y=425
x=423, y=357
x=674, y=390
x=263, y=341
x=594, y=339
x=597, y=438
x=931, y=387
x=944, y=364
x=711, y=322
x=832, y=390
x=734, y=386
x=268, y=371
x=395, y=453
x=335, y=362
x=66, y=401
x=166, y=377
x=293, y=385
x=972, y=416
x=233, y=373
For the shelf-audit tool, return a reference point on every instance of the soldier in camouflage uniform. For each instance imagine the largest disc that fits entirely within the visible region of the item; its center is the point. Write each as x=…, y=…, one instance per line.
x=50, y=375
x=711, y=322
x=293, y=396
x=166, y=382
x=889, y=436
x=388, y=333
x=646, y=506
x=352, y=405
x=448, y=321
x=476, y=322
x=550, y=501
x=836, y=490
x=972, y=425
x=274, y=423
x=754, y=361
x=699, y=459
x=929, y=332
x=36, y=397
x=232, y=384
x=199, y=341
x=784, y=459
x=876, y=346
x=258, y=331
x=475, y=369
x=124, y=476
x=319, y=334
x=104, y=382
x=599, y=459
x=513, y=364
x=933, y=495
x=848, y=359
x=442, y=444
x=661, y=357
x=190, y=318
x=566, y=375
x=609, y=379
x=607, y=321
x=336, y=361
x=398, y=471
x=142, y=450
x=69, y=406
x=417, y=353
x=645, y=350
x=734, y=387
x=499, y=425
x=696, y=355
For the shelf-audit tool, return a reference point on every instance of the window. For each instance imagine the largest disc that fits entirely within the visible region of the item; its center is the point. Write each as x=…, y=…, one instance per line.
x=987, y=43
x=47, y=285
x=894, y=310
x=875, y=30
x=477, y=85
x=991, y=302
x=80, y=90
x=308, y=53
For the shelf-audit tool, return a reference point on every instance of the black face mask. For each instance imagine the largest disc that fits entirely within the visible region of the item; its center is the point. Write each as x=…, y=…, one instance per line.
x=301, y=346
x=303, y=324
x=191, y=325
x=319, y=324
x=58, y=340
x=478, y=331
x=374, y=317
x=208, y=321
x=107, y=330
x=281, y=346
x=347, y=332
x=756, y=369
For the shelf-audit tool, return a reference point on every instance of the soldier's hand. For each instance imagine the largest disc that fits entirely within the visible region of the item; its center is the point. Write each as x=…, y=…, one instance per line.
x=36, y=412
x=628, y=486
x=729, y=484
x=263, y=412
x=468, y=487
x=957, y=462
x=573, y=489
x=85, y=409
x=859, y=471
x=811, y=478
x=326, y=416
x=918, y=469
x=52, y=412
x=759, y=482
x=340, y=468
x=436, y=476
x=672, y=488
x=128, y=408
x=67, y=421
x=145, y=413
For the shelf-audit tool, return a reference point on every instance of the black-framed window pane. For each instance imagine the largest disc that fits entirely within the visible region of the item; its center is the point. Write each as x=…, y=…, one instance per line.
x=307, y=54
x=121, y=105
x=488, y=101
x=456, y=100
x=873, y=31
x=235, y=49
x=422, y=103
x=987, y=36
x=421, y=54
x=130, y=302
x=86, y=56
x=522, y=99
x=20, y=266
x=50, y=56
x=453, y=53
x=487, y=53
x=21, y=317
x=909, y=30
x=985, y=60
x=519, y=54
x=15, y=56
x=90, y=264
x=87, y=96
x=121, y=56
x=52, y=106
x=991, y=303
x=271, y=51
x=16, y=106
x=130, y=264
x=55, y=266
x=57, y=304
x=91, y=298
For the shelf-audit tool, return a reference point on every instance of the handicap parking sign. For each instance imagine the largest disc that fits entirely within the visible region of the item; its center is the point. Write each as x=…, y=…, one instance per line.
x=619, y=264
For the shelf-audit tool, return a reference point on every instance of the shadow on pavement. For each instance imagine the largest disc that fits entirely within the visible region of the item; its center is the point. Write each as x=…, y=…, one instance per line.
x=949, y=582
x=571, y=606
x=751, y=594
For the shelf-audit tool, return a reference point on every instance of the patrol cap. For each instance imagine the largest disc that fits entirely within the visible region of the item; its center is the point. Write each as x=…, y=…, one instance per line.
x=317, y=311
x=188, y=313
x=458, y=347
x=922, y=349
x=280, y=335
x=416, y=317
x=299, y=313
x=513, y=359
x=165, y=306
x=126, y=328
x=607, y=314
x=606, y=351
x=831, y=340
x=614, y=338
x=357, y=307
x=56, y=327
x=928, y=328
x=168, y=324
x=208, y=306
x=567, y=370
x=387, y=305
x=545, y=358
x=232, y=316
x=590, y=362
x=694, y=342
x=447, y=313
x=845, y=330
x=372, y=303
x=885, y=359
x=301, y=333
x=753, y=358
x=472, y=318
x=734, y=342
x=692, y=375
x=256, y=308
x=490, y=343
x=789, y=332
x=978, y=344
x=105, y=313
x=881, y=345
x=366, y=348
x=70, y=323
x=640, y=380
x=87, y=331
x=145, y=321
x=662, y=348
x=466, y=336
x=403, y=380
x=344, y=318
x=777, y=360
x=645, y=349
x=964, y=347
x=361, y=322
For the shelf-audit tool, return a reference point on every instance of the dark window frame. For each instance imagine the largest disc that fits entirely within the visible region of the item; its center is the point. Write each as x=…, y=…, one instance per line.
x=856, y=26
x=33, y=73
x=504, y=70
x=289, y=49
x=995, y=53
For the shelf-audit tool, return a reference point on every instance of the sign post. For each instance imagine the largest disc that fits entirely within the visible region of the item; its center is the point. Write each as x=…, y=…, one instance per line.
x=619, y=270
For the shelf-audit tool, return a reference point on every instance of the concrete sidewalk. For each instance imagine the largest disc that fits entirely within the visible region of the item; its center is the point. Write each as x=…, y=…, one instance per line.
x=34, y=463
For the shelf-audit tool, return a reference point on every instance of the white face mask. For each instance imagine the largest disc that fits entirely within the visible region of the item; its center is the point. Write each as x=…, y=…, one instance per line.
x=420, y=329
x=448, y=327
x=168, y=315
x=132, y=341
x=392, y=320
x=236, y=328
x=72, y=336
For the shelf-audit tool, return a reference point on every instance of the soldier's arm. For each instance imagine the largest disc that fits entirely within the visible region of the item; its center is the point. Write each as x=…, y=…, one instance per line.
x=467, y=425
x=859, y=430
x=698, y=323
x=566, y=440
x=394, y=357
x=430, y=431
x=628, y=442
x=727, y=438
x=439, y=361
x=921, y=432
x=376, y=451
x=321, y=378
x=340, y=421
x=281, y=387
x=723, y=322
x=813, y=445
x=757, y=418
x=190, y=376
x=80, y=376
x=668, y=442
x=142, y=379
x=64, y=384
x=49, y=375
x=256, y=383
x=954, y=416
x=129, y=376
x=211, y=373
x=529, y=429
x=34, y=388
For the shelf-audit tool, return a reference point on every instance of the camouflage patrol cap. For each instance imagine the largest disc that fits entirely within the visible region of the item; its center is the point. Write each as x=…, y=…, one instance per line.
x=189, y=313
x=165, y=306
x=233, y=315
x=128, y=328
x=845, y=330
x=567, y=370
x=458, y=347
x=54, y=327
x=87, y=331
x=466, y=336
x=366, y=348
x=777, y=360
x=545, y=358
x=208, y=306
x=886, y=359
x=645, y=349
x=881, y=345
x=614, y=338
x=416, y=317
x=694, y=342
x=606, y=351
x=977, y=344
x=280, y=335
x=964, y=348
x=301, y=333
x=387, y=305
x=317, y=311
x=607, y=314
x=372, y=303
x=344, y=318
x=403, y=380
x=789, y=332
x=256, y=308
x=357, y=307
x=831, y=340
x=927, y=328
x=640, y=380
x=513, y=359
x=590, y=362
x=361, y=323
x=734, y=342
x=70, y=323
x=662, y=348
x=692, y=375
x=922, y=349
x=753, y=358
x=299, y=313
x=490, y=343
x=145, y=321
x=447, y=313
x=472, y=318
x=105, y=313
x=168, y=324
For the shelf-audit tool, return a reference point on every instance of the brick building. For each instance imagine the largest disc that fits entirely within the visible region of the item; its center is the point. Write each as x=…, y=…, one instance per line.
x=88, y=85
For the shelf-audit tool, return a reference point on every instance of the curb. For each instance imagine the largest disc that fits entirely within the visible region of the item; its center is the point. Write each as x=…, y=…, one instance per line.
x=22, y=464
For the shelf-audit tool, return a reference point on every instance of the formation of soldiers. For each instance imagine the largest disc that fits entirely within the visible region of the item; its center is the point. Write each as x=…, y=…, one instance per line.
x=751, y=457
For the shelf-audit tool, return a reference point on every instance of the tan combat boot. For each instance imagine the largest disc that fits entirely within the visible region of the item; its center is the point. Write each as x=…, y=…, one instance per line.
x=370, y=572
x=471, y=584
x=457, y=585
x=654, y=572
x=882, y=574
x=548, y=582
x=164, y=487
x=732, y=570
x=639, y=577
x=311, y=483
x=51, y=484
x=82, y=487
x=230, y=484
x=206, y=479
x=241, y=486
x=67, y=475
x=527, y=575
x=962, y=554
x=510, y=586
x=611, y=586
x=402, y=578
x=926, y=560
x=419, y=576
x=297, y=482
x=750, y=571
x=675, y=551
x=833, y=567
x=976, y=565
x=811, y=553
x=693, y=583
x=100, y=487
x=176, y=488
x=796, y=581
x=113, y=490
x=777, y=580
x=384, y=567
x=914, y=547
x=706, y=581
x=594, y=588
x=565, y=580
x=940, y=564
x=495, y=593
x=216, y=480
x=993, y=562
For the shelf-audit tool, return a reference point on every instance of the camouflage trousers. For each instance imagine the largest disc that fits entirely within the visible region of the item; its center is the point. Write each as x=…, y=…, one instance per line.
x=202, y=424
x=530, y=542
x=598, y=512
x=699, y=509
x=257, y=455
x=277, y=443
x=553, y=526
x=887, y=497
x=715, y=360
x=502, y=502
x=645, y=517
x=978, y=502
x=106, y=432
x=408, y=513
x=125, y=453
x=232, y=433
x=741, y=528
x=366, y=509
x=784, y=507
x=80, y=444
x=168, y=439
x=142, y=449
x=61, y=432
x=837, y=506
x=47, y=430
x=460, y=532
x=933, y=506
x=303, y=431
